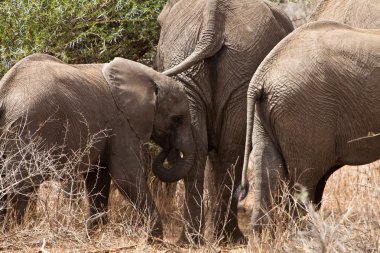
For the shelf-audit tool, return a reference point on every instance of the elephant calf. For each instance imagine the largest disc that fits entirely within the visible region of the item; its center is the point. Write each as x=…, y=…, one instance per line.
x=311, y=106
x=131, y=101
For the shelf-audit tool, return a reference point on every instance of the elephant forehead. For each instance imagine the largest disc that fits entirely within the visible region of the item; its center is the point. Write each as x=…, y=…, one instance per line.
x=174, y=103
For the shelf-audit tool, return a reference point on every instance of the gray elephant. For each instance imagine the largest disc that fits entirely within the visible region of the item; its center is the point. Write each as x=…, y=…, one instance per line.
x=311, y=106
x=131, y=101
x=214, y=47
x=358, y=13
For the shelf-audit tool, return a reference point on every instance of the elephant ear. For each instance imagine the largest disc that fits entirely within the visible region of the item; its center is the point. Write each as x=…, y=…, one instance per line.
x=134, y=92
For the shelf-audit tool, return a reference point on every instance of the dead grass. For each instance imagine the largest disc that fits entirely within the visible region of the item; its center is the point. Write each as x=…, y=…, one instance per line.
x=349, y=221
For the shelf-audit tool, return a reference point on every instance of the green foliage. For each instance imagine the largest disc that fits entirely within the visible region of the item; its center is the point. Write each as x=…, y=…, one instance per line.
x=80, y=31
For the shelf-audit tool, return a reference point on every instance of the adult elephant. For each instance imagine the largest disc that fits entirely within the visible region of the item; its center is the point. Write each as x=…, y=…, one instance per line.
x=312, y=105
x=52, y=104
x=213, y=47
x=356, y=13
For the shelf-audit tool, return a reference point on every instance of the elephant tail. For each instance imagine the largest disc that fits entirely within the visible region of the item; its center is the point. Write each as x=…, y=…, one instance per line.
x=211, y=38
x=254, y=94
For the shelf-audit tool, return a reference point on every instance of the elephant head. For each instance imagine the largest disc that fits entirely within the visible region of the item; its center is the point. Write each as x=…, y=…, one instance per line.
x=156, y=108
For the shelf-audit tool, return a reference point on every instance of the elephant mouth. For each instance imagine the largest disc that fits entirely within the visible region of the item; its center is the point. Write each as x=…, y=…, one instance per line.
x=171, y=165
x=172, y=156
x=174, y=162
x=168, y=157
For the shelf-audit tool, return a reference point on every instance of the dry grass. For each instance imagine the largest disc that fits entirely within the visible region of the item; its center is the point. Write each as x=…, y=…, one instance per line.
x=349, y=221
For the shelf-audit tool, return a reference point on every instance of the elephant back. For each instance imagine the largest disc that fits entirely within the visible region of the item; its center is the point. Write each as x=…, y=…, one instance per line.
x=358, y=13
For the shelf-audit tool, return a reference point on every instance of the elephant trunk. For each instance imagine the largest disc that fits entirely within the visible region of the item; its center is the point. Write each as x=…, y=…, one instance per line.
x=211, y=38
x=253, y=95
x=182, y=161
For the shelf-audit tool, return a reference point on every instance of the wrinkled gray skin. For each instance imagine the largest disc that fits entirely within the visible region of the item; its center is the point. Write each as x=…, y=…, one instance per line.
x=311, y=104
x=214, y=47
x=64, y=104
x=356, y=13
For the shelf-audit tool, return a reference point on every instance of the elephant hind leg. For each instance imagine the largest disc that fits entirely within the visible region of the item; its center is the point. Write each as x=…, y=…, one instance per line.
x=3, y=205
x=20, y=196
x=223, y=177
x=26, y=181
x=268, y=173
x=3, y=193
x=97, y=182
x=321, y=186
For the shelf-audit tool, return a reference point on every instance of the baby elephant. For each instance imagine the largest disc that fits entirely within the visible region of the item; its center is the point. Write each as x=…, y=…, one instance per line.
x=61, y=105
x=313, y=107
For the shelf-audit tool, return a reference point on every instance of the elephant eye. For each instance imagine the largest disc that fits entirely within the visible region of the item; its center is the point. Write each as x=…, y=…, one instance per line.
x=177, y=119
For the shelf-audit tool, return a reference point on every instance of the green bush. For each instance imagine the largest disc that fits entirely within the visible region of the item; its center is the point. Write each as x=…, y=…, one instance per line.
x=80, y=31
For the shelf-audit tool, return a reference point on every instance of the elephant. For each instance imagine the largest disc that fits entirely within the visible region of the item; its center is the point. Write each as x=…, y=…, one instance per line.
x=358, y=13
x=213, y=48
x=131, y=101
x=313, y=106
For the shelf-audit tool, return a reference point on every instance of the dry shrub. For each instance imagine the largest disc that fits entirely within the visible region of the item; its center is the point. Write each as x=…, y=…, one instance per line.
x=349, y=220
x=55, y=216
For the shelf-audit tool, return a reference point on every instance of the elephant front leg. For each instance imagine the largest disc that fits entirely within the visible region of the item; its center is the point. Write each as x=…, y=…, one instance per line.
x=135, y=188
x=193, y=213
x=125, y=168
x=97, y=182
x=192, y=232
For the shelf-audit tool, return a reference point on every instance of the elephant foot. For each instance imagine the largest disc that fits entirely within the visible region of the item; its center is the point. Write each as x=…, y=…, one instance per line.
x=94, y=224
x=156, y=236
x=156, y=240
x=235, y=237
x=238, y=237
x=186, y=240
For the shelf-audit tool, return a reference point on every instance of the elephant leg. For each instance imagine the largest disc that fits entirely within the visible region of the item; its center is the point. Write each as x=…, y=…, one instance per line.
x=97, y=183
x=3, y=195
x=125, y=168
x=3, y=205
x=73, y=189
x=225, y=175
x=223, y=178
x=268, y=172
x=192, y=231
x=193, y=213
x=321, y=186
x=20, y=196
x=137, y=191
x=309, y=183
